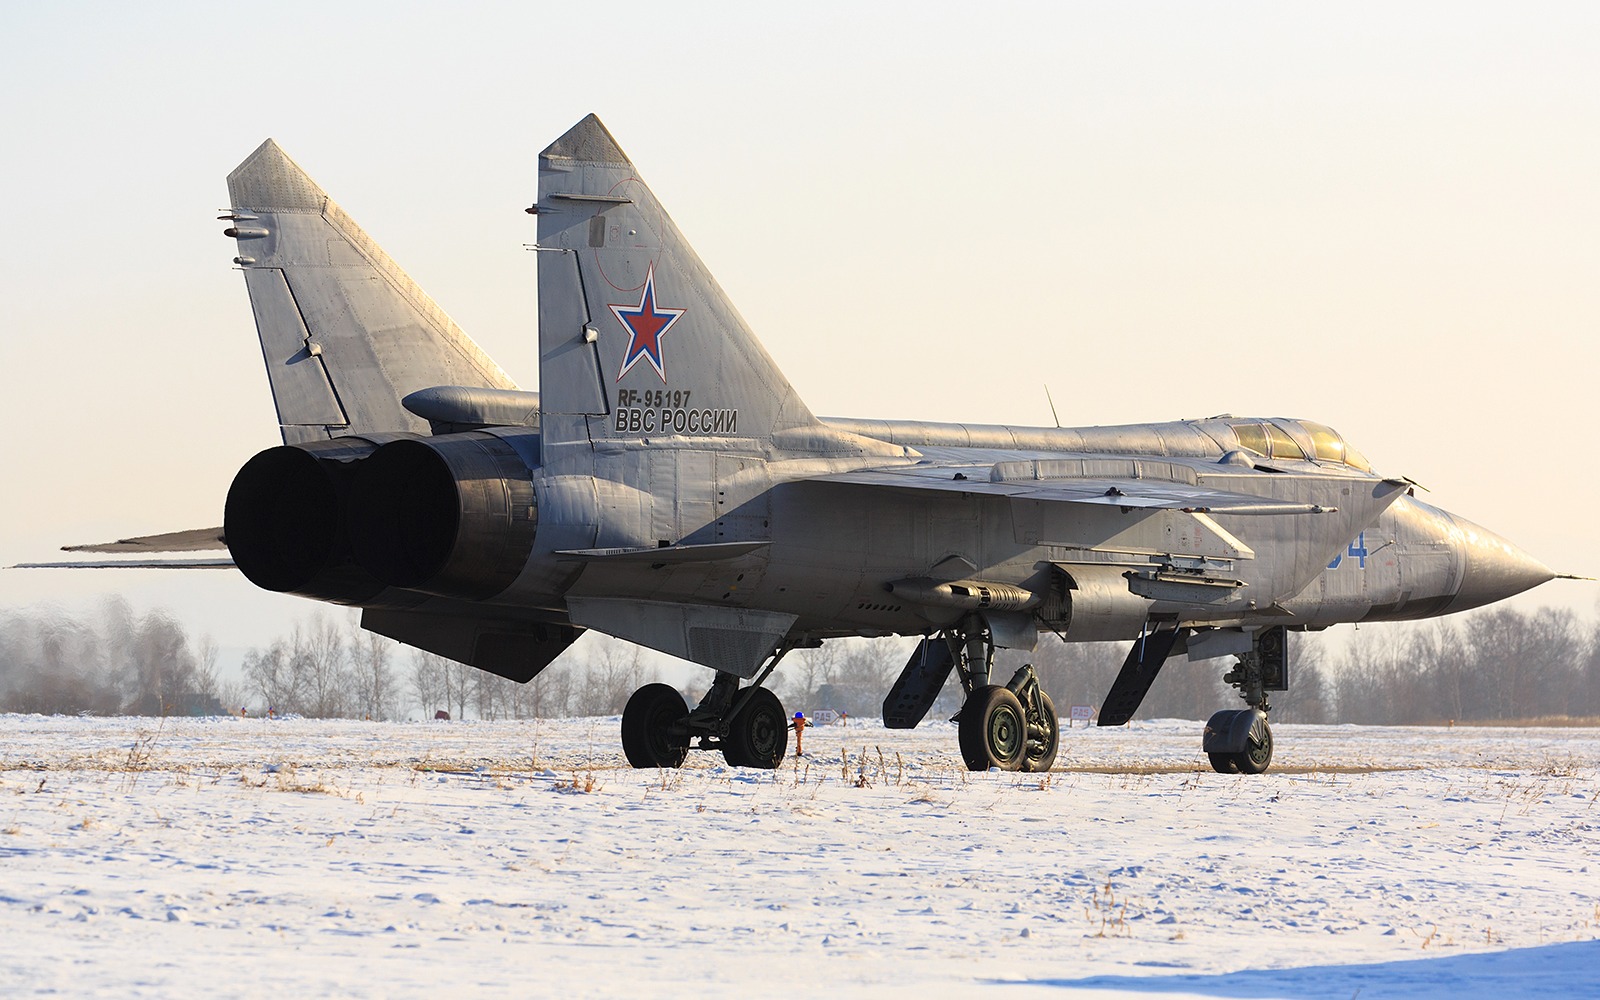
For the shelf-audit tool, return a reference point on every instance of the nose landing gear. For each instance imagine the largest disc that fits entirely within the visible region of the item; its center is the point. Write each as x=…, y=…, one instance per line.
x=1239, y=741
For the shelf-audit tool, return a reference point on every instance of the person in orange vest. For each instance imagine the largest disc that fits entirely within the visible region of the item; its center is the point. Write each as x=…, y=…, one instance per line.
x=799, y=728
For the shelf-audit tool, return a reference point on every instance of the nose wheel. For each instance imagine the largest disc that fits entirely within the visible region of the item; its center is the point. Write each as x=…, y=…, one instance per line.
x=1244, y=728
x=1239, y=741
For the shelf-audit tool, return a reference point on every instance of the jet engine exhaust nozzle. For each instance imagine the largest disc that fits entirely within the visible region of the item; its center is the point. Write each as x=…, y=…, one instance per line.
x=284, y=522
x=454, y=516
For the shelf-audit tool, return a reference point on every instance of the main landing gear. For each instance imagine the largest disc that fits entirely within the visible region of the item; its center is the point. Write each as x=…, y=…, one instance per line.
x=1010, y=726
x=746, y=724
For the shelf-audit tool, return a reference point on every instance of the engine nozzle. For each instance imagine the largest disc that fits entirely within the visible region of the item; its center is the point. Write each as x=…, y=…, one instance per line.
x=454, y=516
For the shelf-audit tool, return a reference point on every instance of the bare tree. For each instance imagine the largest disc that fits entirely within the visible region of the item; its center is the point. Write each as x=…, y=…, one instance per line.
x=271, y=673
x=459, y=680
x=320, y=655
x=428, y=681
x=374, y=694
x=54, y=664
x=607, y=679
x=553, y=690
x=843, y=675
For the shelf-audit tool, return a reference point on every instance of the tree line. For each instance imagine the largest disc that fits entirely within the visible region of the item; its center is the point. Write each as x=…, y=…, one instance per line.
x=113, y=663
x=1499, y=665
x=1492, y=666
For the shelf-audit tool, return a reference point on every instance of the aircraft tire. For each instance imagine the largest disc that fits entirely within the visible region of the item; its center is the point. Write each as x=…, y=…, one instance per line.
x=1224, y=763
x=1041, y=756
x=646, y=741
x=759, y=735
x=993, y=730
x=1257, y=757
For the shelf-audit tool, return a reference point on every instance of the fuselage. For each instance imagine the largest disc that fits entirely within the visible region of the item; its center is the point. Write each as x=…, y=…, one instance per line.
x=831, y=554
x=437, y=525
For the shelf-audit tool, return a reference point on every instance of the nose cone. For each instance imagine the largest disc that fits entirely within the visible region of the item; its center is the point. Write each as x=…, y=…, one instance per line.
x=1492, y=569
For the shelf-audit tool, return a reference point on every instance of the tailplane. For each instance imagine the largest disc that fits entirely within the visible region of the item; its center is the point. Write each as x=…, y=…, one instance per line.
x=345, y=333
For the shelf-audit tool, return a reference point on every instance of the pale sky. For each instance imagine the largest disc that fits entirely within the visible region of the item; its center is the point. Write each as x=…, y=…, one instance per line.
x=1379, y=216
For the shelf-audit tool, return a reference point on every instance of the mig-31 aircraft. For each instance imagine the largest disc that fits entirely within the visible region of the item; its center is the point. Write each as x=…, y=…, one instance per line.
x=668, y=486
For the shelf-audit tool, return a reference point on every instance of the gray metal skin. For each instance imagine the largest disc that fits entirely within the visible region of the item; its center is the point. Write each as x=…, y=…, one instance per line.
x=838, y=540
x=668, y=485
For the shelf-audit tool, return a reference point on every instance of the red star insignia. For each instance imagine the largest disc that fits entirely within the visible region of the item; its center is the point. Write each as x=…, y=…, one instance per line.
x=646, y=324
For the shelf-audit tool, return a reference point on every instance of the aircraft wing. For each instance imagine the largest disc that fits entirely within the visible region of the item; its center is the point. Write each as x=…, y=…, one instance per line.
x=1162, y=511
x=1097, y=491
x=193, y=540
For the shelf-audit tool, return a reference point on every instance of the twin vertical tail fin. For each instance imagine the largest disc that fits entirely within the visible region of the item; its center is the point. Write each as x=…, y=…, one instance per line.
x=345, y=333
x=637, y=341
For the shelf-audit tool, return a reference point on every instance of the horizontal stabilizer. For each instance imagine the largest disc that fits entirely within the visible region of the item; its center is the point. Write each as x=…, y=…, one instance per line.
x=193, y=540
x=134, y=564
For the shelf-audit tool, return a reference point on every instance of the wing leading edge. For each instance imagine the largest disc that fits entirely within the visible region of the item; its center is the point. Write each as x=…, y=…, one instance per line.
x=1127, y=493
x=192, y=540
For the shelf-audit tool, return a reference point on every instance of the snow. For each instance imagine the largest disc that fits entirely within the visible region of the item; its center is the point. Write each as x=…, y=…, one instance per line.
x=248, y=857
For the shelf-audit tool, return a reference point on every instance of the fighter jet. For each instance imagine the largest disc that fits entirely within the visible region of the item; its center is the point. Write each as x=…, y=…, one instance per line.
x=668, y=486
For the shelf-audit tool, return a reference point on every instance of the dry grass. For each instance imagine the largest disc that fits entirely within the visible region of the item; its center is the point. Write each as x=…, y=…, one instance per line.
x=286, y=778
x=583, y=782
x=1536, y=722
x=1108, y=912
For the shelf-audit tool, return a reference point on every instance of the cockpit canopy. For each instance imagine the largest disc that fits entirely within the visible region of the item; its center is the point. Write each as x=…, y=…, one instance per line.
x=1277, y=438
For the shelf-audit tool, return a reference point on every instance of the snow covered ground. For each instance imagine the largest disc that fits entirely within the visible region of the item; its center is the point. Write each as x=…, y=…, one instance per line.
x=305, y=858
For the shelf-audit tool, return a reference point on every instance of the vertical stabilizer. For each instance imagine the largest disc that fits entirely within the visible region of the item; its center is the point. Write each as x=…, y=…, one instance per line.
x=345, y=333
x=636, y=339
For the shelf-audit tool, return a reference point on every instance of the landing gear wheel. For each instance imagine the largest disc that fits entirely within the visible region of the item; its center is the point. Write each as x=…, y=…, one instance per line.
x=1224, y=763
x=647, y=723
x=1257, y=756
x=993, y=730
x=759, y=735
x=1246, y=729
x=1044, y=741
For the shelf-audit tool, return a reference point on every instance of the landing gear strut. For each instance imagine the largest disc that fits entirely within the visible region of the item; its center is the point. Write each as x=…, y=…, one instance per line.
x=1239, y=741
x=746, y=724
x=1013, y=726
